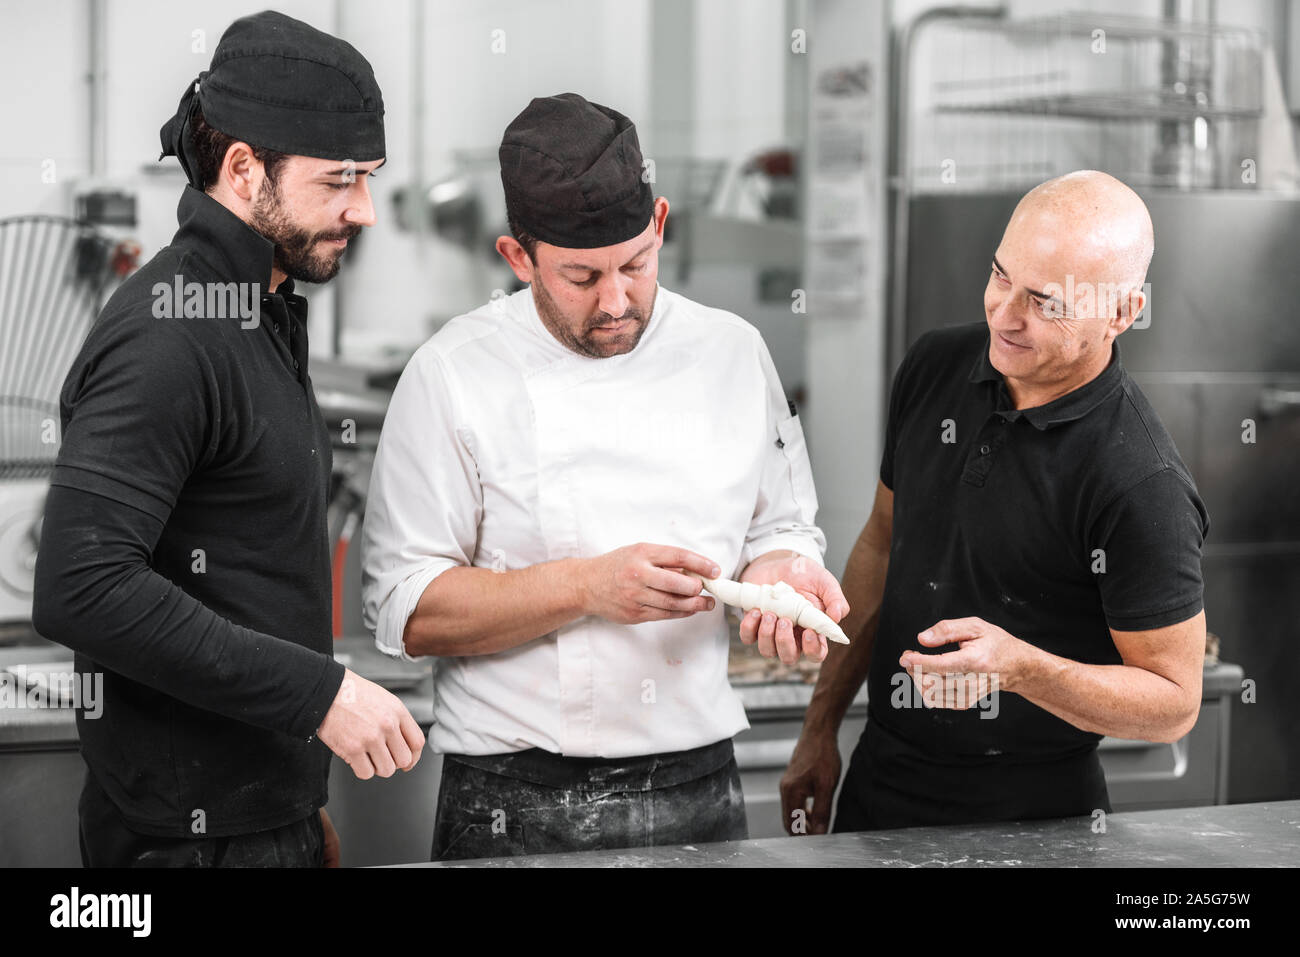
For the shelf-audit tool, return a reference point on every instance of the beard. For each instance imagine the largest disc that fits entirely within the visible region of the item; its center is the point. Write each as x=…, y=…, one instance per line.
x=587, y=341
x=296, y=252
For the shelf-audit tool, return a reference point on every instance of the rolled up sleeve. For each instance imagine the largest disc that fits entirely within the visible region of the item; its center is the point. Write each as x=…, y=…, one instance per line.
x=424, y=504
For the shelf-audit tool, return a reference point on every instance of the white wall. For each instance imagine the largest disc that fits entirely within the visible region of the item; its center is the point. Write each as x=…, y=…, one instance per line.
x=740, y=46
x=847, y=381
x=44, y=108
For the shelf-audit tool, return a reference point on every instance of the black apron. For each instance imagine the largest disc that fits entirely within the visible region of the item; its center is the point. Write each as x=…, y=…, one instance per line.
x=890, y=784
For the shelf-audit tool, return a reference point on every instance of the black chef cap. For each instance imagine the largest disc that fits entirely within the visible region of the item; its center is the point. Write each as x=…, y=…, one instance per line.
x=279, y=84
x=572, y=174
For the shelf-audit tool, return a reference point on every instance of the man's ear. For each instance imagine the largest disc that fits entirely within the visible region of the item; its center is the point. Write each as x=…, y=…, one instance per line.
x=240, y=171
x=1130, y=307
x=660, y=216
x=517, y=257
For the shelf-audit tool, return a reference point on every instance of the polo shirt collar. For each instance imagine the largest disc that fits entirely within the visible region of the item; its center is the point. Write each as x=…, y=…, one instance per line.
x=1069, y=407
x=231, y=247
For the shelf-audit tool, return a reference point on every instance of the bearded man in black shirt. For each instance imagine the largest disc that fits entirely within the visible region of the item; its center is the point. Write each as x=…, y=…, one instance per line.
x=1030, y=576
x=184, y=551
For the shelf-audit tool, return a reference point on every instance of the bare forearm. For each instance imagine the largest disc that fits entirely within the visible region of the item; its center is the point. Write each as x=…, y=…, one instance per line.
x=1118, y=700
x=772, y=557
x=477, y=611
x=845, y=667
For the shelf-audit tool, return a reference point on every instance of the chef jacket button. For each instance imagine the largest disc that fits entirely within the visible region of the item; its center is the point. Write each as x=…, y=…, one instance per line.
x=984, y=450
x=295, y=364
x=275, y=326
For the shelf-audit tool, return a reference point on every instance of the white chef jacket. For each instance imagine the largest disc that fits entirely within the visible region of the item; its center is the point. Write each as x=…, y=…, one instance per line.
x=503, y=448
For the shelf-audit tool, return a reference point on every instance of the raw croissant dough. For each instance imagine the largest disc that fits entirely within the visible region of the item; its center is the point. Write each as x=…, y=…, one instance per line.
x=780, y=599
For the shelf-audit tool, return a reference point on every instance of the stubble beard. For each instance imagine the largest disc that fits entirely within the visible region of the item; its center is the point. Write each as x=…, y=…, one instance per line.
x=586, y=344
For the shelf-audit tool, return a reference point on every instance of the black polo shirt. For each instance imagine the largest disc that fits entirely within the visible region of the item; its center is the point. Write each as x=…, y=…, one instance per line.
x=1056, y=523
x=184, y=552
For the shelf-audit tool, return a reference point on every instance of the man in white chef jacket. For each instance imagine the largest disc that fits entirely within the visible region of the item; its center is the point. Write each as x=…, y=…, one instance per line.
x=552, y=466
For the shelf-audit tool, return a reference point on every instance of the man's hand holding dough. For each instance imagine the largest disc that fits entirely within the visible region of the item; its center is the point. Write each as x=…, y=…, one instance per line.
x=646, y=582
x=776, y=636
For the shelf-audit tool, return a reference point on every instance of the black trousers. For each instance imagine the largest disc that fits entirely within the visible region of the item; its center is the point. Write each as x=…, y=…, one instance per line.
x=107, y=841
x=536, y=802
x=890, y=785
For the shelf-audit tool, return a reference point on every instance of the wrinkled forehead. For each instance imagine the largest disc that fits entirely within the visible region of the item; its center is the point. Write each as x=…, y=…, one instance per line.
x=1045, y=243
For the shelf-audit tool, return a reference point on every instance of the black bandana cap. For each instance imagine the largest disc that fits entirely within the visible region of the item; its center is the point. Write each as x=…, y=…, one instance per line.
x=279, y=84
x=572, y=172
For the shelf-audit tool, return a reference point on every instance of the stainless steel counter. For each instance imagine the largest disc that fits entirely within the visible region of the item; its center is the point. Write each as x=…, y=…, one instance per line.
x=1235, y=835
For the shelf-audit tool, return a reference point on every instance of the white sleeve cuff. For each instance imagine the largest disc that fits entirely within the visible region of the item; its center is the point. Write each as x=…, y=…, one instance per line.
x=400, y=605
x=812, y=547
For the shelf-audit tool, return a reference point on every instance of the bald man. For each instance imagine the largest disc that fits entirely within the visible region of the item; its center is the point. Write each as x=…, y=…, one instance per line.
x=1030, y=576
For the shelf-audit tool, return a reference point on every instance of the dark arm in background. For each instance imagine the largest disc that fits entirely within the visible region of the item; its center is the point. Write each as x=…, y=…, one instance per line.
x=814, y=769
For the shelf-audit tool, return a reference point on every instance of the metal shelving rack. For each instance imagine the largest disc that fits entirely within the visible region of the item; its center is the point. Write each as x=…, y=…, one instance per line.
x=1157, y=103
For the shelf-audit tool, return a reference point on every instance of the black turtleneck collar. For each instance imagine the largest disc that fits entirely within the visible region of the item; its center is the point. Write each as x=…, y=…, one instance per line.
x=231, y=247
